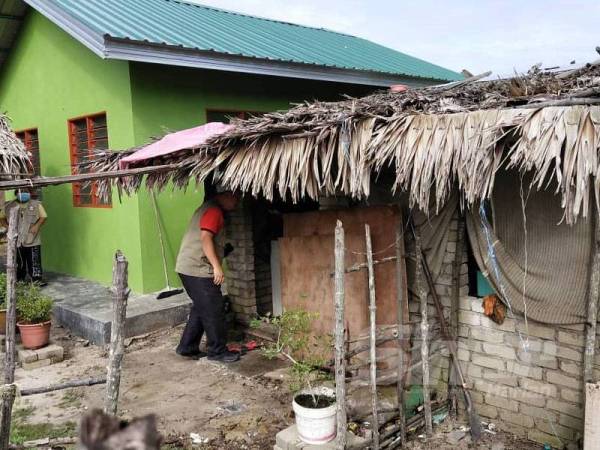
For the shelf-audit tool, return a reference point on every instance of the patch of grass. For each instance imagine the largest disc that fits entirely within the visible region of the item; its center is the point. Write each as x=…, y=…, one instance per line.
x=71, y=399
x=21, y=431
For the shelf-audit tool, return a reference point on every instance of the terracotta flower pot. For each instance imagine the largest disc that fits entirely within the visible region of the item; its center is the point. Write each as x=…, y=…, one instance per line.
x=36, y=335
x=2, y=321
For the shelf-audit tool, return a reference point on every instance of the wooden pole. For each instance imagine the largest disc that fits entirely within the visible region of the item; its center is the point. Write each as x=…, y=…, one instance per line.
x=373, y=341
x=340, y=334
x=61, y=386
x=117, y=333
x=422, y=293
x=591, y=429
x=9, y=390
x=592, y=311
x=454, y=307
x=401, y=299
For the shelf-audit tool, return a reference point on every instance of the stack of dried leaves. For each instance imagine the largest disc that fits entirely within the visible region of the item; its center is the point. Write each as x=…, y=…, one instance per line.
x=14, y=159
x=435, y=138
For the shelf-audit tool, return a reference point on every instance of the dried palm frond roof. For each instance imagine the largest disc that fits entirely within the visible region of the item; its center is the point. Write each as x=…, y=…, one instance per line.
x=434, y=138
x=14, y=159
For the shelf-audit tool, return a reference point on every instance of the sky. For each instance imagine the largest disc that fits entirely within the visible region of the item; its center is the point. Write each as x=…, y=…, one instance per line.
x=497, y=35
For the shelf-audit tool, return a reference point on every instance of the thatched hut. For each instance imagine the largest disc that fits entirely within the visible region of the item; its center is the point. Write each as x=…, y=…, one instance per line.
x=14, y=159
x=516, y=159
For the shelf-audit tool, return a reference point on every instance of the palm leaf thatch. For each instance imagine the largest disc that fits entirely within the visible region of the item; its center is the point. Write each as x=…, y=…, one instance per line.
x=435, y=138
x=14, y=159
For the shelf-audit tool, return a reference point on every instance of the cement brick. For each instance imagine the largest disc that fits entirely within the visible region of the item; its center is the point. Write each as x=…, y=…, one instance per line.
x=572, y=368
x=537, y=330
x=512, y=429
x=487, y=411
x=490, y=363
x=475, y=371
x=521, y=420
x=527, y=397
x=541, y=413
x=492, y=388
x=463, y=331
x=532, y=344
x=571, y=422
x=570, y=353
x=508, y=325
x=554, y=429
x=501, y=402
x=571, y=395
x=36, y=364
x=524, y=370
x=544, y=438
x=52, y=351
x=470, y=345
x=500, y=377
x=469, y=318
x=569, y=338
x=538, y=359
x=556, y=377
x=570, y=409
x=499, y=350
x=488, y=335
x=538, y=387
x=27, y=356
x=464, y=355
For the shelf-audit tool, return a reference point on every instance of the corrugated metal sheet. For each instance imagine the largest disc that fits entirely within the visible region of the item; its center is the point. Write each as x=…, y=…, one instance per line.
x=191, y=26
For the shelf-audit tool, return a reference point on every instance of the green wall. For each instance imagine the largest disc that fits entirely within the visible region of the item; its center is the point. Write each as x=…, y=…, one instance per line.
x=171, y=98
x=48, y=79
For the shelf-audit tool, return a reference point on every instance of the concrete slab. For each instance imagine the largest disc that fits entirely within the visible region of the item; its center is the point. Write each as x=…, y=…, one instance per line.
x=85, y=308
x=288, y=440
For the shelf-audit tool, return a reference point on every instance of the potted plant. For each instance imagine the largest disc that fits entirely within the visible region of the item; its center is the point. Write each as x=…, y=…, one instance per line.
x=314, y=406
x=34, y=310
x=2, y=303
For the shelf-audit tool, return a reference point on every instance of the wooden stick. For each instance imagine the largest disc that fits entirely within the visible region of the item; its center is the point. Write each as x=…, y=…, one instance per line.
x=373, y=342
x=55, y=181
x=562, y=102
x=454, y=307
x=424, y=335
x=340, y=335
x=401, y=299
x=61, y=386
x=9, y=390
x=45, y=443
x=592, y=312
x=117, y=333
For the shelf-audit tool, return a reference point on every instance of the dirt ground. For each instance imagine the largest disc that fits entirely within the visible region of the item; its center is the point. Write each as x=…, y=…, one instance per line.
x=227, y=406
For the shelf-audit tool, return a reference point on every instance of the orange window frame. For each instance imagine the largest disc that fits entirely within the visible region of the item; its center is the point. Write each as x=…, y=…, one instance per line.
x=74, y=154
x=26, y=137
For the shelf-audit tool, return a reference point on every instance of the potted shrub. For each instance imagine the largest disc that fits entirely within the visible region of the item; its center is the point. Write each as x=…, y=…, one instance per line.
x=314, y=406
x=33, y=310
x=2, y=303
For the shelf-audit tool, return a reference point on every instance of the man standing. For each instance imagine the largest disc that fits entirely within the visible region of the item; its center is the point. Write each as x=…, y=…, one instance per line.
x=32, y=216
x=199, y=265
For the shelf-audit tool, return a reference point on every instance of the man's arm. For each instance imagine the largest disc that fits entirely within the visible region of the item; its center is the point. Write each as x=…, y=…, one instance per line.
x=35, y=228
x=208, y=245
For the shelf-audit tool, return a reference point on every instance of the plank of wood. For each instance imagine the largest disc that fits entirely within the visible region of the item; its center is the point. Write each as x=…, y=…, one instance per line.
x=62, y=386
x=340, y=338
x=592, y=312
x=591, y=430
x=403, y=314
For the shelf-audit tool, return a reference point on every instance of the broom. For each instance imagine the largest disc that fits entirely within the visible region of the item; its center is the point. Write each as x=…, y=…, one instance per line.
x=168, y=291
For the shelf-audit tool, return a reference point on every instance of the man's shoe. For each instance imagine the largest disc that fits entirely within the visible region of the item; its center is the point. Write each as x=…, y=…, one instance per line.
x=226, y=357
x=191, y=355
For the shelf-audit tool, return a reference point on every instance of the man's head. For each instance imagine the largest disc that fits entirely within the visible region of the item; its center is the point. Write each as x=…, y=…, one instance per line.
x=227, y=200
x=23, y=195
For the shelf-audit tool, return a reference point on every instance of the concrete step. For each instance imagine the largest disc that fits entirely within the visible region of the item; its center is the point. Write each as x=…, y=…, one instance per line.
x=85, y=308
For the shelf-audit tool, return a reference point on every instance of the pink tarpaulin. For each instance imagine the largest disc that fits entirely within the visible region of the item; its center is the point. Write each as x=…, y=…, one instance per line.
x=181, y=140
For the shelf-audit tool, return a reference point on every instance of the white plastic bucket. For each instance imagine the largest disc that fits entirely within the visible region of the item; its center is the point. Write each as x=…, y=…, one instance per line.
x=316, y=425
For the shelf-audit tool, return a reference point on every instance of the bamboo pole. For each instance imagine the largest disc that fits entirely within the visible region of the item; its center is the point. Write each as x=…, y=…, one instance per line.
x=340, y=348
x=422, y=293
x=9, y=390
x=117, y=333
x=61, y=386
x=454, y=307
x=373, y=341
x=401, y=293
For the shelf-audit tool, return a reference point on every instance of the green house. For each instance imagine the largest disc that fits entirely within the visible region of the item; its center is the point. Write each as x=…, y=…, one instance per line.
x=111, y=73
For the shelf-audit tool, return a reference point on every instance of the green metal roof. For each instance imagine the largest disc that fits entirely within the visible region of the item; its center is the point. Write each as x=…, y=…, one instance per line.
x=177, y=24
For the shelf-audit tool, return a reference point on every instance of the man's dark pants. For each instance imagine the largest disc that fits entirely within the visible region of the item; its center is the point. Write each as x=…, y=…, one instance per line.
x=29, y=263
x=206, y=316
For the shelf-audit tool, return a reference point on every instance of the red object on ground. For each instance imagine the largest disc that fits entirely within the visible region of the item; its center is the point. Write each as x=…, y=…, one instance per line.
x=242, y=348
x=398, y=88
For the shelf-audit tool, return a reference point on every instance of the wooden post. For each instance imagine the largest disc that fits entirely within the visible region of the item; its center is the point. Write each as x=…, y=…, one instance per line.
x=454, y=307
x=592, y=311
x=117, y=333
x=422, y=293
x=373, y=340
x=9, y=390
x=591, y=429
x=401, y=299
x=340, y=337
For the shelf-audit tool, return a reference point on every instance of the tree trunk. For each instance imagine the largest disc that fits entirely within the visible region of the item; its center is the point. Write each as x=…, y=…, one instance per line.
x=340, y=334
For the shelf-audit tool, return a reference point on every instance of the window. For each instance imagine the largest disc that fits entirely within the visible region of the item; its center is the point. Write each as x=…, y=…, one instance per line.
x=215, y=115
x=30, y=140
x=86, y=135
